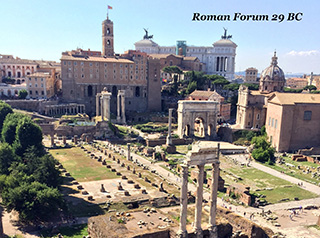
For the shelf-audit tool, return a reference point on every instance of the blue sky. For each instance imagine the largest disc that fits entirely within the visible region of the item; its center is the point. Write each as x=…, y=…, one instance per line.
x=42, y=29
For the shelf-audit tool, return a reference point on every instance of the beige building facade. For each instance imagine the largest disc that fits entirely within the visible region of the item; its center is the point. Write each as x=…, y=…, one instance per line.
x=251, y=76
x=136, y=73
x=252, y=105
x=293, y=121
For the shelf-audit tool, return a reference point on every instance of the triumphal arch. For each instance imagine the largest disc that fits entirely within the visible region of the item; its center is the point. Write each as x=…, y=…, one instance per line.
x=197, y=117
x=199, y=156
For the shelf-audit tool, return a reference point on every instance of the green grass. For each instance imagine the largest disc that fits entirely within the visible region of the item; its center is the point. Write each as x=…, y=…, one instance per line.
x=85, y=209
x=275, y=195
x=76, y=231
x=294, y=172
x=260, y=180
x=314, y=226
x=80, y=166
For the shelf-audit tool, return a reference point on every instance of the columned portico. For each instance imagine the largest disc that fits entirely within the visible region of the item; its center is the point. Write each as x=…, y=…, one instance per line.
x=199, y=156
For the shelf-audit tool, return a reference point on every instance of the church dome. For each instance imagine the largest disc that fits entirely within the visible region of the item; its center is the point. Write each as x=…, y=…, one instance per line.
x=272, y=78
x=273, y=72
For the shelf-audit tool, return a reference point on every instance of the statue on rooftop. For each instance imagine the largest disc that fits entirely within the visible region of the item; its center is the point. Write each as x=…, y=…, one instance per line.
x=146, y=36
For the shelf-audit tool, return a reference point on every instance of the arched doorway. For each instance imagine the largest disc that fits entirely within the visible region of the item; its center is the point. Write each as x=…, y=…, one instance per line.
x=199, y=130
x=187, y=130
x=90, y=91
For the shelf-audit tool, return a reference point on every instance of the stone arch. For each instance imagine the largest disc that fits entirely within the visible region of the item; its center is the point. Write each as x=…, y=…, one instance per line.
x=204, y=113
x=114, y=91
x=90, y=91
x=199, y=127
x=137, y=91
x=187, y=130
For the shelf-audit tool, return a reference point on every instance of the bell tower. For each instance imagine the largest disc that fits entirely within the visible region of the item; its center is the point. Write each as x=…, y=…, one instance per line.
x=107, y=37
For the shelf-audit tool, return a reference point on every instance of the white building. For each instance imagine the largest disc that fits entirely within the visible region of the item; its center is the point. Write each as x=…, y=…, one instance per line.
x=219, y=59
x=11, y=91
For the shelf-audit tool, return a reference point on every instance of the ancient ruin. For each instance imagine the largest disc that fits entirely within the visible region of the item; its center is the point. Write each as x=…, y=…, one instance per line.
x=103, y=104
x=200, y=156
x=198, y=116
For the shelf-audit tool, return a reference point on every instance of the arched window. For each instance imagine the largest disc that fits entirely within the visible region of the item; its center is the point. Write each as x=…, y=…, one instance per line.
x=108, y=31
x=114, y=91
x=137, y=91
x=19, y=74
x=90, y=91
x=108, y=42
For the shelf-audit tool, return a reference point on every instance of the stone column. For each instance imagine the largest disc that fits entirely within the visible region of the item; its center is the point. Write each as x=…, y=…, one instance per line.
x=199, y=199
x=118, y=107
x=123, y=107
x=213, y=199
x=75, y=139
x=128, y=148
x=52, y=140
x=64, y=140
x=102, y=108
x=108, y=97
x=169, y=138
x=182, y=233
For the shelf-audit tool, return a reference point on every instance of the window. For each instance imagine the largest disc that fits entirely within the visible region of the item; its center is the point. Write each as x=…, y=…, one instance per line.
x=75, y=63
x=42, y=92
x=90, y=91
x=30, y=92
x=275, y=124
x=35, y=79
x=269, y=121
x=81, y=63
x=307, y=115
x=41, y=79
x=36, y=85
x=272, y=123
x=137, y=92
x=90, y=64
x=258, y=116
x=42, y=85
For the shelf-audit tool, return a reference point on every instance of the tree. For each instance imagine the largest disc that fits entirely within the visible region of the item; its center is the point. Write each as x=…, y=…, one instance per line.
x=262, y=151
x=8, y=132
x=34, y=201
x=28, y=134
x=6, y=158
x=191, y=87
x=23, y=94
x=232, y=86
x=291, y=90
x=252, y=86
x=5, y=109
x=310, y=88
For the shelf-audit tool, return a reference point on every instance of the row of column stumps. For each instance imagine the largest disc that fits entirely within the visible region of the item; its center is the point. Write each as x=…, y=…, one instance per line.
x=183, y=233
x=64, y=140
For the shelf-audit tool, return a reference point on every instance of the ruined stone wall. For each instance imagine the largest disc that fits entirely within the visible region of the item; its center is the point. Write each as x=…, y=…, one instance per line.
x=245, y=225
x=175, y=141
x=31, y=105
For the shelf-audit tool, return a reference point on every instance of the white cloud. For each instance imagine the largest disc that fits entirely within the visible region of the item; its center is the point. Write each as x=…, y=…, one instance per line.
x=304, y=53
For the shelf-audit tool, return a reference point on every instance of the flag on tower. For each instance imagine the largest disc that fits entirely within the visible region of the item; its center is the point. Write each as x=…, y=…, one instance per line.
x=109, y=7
